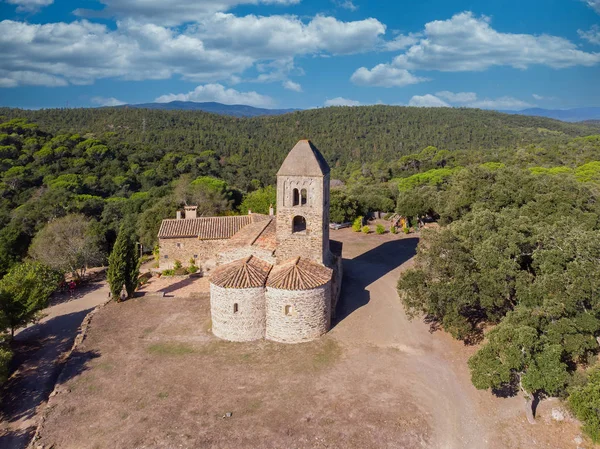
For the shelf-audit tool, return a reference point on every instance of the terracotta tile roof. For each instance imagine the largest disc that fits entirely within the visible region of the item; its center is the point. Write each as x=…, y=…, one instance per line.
x=248, y=234
x=207, y=228
x=267, y=239
x=250, y=272
x=299, y=274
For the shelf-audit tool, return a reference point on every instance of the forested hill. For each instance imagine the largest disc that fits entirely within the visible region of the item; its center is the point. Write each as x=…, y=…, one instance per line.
x=235, y=110
x=344, y=135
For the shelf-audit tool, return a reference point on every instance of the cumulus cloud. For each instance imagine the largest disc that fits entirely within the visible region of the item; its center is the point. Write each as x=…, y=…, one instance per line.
x=220, y=48
x=103, y=101
x=340, y=101
x=594, y=4
x=29, y=5
x=428, y=101
x=171, y=13
x=384, y=75
x=466, y=42
x=219, y=94
x=592, y=35
x=290, y=85
x=346, y=4
x=460, y=97
x=401, y=42
x=468, y=99
x=284, y=36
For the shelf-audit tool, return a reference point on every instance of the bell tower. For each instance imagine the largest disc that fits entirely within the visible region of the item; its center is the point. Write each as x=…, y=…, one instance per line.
x=303, y=205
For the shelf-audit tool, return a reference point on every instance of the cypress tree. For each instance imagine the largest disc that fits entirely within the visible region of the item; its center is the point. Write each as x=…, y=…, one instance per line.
x=117, y=273
x=132, y=271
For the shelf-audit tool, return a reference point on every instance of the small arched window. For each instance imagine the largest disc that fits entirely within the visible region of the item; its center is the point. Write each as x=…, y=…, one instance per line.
x=296, y=200
x=303, y=197
x=299, y=224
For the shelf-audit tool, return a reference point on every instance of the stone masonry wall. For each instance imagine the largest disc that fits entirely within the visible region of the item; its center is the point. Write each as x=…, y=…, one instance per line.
x=336, y=283
x=245, y=324
x=308, y=314
x=229, y=255
x=314, y=242
x=206, y=250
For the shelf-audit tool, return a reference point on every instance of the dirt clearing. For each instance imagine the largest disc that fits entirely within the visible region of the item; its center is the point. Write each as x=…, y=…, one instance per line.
x=151, y=375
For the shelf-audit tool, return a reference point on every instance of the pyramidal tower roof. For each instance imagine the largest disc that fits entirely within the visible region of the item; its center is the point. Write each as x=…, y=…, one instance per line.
x=304, y=160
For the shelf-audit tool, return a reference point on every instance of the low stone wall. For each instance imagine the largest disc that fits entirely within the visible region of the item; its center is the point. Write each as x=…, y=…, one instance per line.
x=238, y=314
x=299, y=315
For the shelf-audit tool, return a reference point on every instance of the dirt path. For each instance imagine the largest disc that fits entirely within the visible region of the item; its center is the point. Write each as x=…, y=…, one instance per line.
x=372, y=316
x=38, y=349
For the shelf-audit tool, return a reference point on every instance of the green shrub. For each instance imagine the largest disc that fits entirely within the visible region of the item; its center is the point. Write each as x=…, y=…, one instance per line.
x=406, y=230
x=177, y=265
x=393, y=230
x=585, y=403
x=357, y=225
x=380, y=229
x=365, y=229
x=168, y=272
x=192, y=269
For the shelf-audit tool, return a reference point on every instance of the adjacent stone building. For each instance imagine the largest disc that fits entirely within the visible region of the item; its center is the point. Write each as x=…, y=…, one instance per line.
x=275, y=277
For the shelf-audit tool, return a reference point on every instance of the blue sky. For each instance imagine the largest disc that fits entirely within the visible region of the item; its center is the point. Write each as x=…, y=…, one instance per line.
x=495, y=54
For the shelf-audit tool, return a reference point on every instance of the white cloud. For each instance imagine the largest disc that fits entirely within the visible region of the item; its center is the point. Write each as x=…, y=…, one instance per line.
x=505, y=103
x=428, y=101
x=284, y=36
x=592, y=35
x=172, y=12
x=468, y=99
x=29, y=5
x=346, y=4
x=219, y=94
x=460, y=97
x=594, y=4
x=220, y=48
x=340, y=101
x=290, y=85
x=19, y=77
x=384, y=75
x=401, y=42
x=103, y=101
x=469, y=43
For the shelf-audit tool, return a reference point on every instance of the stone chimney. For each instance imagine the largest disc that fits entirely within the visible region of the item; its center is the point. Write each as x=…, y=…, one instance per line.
x=179, y=215
x=271, y=210
x=190, y=211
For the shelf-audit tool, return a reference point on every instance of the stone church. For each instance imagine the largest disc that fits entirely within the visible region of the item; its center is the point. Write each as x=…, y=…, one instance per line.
x=273, y=276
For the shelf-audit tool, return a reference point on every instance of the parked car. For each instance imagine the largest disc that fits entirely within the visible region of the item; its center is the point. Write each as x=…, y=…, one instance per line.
x=336, y=226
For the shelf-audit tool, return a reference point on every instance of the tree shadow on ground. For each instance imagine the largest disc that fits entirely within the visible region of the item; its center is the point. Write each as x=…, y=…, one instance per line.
x=367, y=268
x=177, y=285
x=36, y=366
x=79, y=292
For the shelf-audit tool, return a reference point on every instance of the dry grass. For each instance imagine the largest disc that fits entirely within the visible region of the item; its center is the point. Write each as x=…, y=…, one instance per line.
x=162, y=380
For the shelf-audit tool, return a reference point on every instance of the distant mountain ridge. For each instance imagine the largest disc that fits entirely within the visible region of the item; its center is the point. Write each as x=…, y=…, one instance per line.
x=241, y=110
x=235, y=110
x=566, y=115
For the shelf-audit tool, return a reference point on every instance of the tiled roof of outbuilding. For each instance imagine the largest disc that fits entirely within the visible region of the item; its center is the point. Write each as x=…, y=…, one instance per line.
x=299, y=274
x=207, y=228
x=250, y=272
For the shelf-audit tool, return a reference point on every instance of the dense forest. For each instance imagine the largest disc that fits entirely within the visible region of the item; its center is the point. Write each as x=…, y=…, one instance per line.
x=516, y=198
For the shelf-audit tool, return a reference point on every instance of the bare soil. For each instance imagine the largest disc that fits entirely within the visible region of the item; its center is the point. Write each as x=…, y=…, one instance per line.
x=151, y=375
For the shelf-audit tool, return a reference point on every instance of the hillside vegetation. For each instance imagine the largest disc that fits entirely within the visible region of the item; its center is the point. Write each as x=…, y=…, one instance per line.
x=517, y=198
